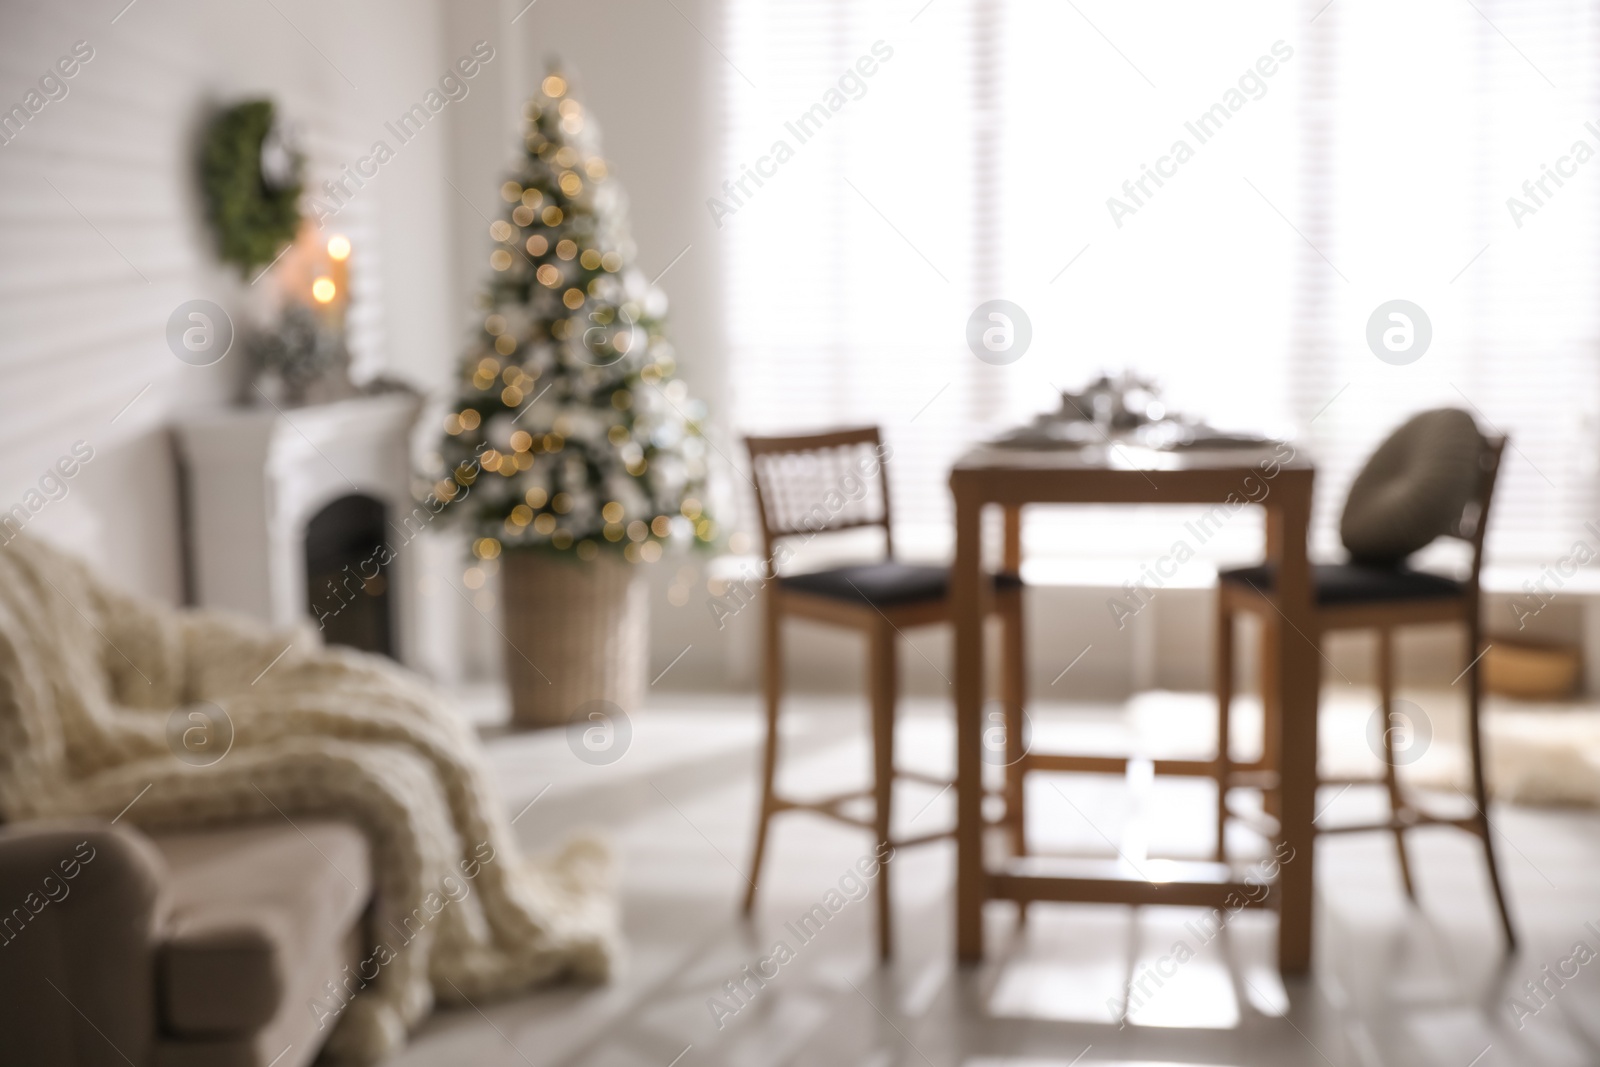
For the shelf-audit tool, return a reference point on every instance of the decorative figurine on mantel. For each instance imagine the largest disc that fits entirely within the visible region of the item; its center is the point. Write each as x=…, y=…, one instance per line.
x=299, y=359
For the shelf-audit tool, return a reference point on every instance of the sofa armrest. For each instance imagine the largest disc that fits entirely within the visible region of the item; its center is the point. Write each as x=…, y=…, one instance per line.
x=80, y=911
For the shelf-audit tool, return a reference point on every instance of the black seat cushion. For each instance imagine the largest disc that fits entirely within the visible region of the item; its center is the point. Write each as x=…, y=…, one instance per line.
x=1355, y=583
x=880, y=584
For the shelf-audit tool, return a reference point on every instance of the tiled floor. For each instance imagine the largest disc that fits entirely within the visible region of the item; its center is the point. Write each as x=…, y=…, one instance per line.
x=1427, y=986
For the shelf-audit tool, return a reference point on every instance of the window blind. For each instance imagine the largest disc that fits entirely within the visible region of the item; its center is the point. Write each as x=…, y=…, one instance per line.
x=1335, y=157
x=1422, y=123
x=851, y=265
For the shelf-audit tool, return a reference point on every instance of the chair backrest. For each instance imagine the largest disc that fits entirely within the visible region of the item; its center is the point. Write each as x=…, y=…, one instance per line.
x=1474, y=520
x=820, y=483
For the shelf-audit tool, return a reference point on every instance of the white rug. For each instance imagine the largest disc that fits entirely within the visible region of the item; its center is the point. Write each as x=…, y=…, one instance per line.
x=1543, y=754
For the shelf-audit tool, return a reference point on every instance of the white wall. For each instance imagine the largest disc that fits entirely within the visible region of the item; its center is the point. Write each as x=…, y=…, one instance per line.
x=91, y=268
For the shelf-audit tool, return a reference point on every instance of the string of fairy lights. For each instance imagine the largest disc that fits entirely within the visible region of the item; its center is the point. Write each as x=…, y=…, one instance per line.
x=569, y=433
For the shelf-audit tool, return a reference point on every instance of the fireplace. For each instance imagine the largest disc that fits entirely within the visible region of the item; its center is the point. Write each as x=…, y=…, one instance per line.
x=347, y=574
x=305, y=516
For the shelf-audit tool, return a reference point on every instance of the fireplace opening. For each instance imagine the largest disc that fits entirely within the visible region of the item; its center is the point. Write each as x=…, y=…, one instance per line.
x=347, y=574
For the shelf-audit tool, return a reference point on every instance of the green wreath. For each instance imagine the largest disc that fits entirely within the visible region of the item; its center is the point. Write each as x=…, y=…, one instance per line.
x=254, y=213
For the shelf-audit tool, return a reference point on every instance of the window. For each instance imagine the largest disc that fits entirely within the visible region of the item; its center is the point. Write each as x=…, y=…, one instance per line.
x=1028, y=150
x=1428, y=119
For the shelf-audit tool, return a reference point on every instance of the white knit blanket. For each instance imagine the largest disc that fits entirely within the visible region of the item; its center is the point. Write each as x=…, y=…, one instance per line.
x=89, y=677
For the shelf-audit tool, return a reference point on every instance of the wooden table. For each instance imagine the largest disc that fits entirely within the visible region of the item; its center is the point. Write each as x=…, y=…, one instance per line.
x=1012, y=478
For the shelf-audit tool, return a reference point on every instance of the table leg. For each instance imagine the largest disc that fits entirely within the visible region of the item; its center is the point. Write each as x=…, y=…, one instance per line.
x=1013, y=669
x=1294, y=682
x=1270, y=653
x=966, y=606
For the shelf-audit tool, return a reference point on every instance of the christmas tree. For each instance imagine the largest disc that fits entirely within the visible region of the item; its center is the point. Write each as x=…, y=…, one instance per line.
x=569, y=433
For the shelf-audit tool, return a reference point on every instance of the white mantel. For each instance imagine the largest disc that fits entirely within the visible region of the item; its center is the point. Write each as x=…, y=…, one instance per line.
x=257, y=476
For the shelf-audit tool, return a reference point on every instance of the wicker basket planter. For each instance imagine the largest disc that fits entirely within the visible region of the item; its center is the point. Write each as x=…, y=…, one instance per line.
x=1531, y=671
x=579, y=631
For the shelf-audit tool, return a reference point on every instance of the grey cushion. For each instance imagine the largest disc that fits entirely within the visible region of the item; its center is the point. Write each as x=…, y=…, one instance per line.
x=1414, y=487
x=293, y=1038
x=253, y=908
x=222, y=937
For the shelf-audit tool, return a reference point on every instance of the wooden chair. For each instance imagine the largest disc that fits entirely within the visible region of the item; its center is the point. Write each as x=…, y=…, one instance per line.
x=823, y=483
x=1354, y=597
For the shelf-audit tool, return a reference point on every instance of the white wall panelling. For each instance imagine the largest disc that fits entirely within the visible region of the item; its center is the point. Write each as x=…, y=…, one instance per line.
x=102, y=234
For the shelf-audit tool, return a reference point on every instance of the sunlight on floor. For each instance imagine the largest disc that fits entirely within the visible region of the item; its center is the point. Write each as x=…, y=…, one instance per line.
x=1075, y=985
